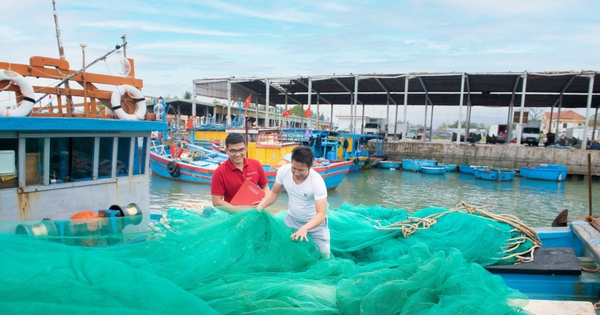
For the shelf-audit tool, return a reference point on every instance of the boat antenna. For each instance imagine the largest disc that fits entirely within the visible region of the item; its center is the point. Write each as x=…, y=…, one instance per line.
x=124, y=37
x=103, y=57
x=61, y=52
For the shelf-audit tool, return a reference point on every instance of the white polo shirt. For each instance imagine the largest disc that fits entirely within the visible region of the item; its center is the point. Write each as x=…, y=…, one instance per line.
x=302, y=197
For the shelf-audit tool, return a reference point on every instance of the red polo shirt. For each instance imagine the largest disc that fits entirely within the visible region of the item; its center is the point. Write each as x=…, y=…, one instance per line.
x=227, y=178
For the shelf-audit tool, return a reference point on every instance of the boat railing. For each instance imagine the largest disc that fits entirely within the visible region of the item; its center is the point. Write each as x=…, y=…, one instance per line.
x=93, y=96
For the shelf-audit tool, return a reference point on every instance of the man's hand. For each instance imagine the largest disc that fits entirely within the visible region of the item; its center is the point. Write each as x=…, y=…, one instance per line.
x=300, y=234
x=258, y=206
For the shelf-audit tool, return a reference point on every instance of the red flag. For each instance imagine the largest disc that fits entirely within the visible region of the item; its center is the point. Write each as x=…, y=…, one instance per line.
x=287, y=113
x=190, y=124
x=247, y=102
x=307, y=112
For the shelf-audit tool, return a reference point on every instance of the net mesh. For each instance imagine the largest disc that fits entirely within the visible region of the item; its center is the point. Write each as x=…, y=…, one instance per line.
x=205, y=261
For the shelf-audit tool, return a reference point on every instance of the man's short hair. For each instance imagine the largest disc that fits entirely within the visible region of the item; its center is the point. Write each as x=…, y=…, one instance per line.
x=234, y=138
x=303, y=155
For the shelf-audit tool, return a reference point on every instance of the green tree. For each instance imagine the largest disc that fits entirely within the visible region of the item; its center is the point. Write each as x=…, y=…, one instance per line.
x=463, y=124
x=592, y=118
x=297, y=110
x=187, y=95
x=535, y=113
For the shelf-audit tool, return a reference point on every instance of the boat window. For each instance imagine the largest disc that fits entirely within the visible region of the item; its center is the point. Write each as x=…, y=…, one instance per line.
x=105, y=157
x=71, y=159
x=140, y=155
x=8, y=163
x=34, y=151
x=123, y=153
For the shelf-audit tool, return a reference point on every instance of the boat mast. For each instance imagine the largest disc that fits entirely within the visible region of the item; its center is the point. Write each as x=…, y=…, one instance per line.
x=61, y=52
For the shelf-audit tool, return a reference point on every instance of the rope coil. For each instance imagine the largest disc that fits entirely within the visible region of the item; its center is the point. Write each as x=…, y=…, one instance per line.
x=411, y=225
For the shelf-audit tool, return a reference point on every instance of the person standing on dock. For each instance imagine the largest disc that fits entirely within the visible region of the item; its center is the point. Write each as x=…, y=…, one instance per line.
x=231, y=174
x=307, y=194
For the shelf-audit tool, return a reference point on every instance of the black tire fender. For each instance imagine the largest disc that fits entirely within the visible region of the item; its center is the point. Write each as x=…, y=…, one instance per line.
x=173, y=169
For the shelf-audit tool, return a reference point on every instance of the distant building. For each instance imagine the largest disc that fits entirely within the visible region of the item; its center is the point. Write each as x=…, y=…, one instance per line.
x=568, y=119
x=344, y=122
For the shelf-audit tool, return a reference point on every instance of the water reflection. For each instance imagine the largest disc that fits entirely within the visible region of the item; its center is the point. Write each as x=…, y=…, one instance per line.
x=541, y=186
x=535, y=202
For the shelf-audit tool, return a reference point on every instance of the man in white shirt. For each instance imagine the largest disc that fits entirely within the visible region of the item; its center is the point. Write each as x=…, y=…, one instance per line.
x=307, y=193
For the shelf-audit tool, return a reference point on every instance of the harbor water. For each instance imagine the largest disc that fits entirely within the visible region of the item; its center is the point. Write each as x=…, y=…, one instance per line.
x=536, y=203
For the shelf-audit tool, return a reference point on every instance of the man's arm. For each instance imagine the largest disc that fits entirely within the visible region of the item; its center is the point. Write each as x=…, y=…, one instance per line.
x=320, y=216
x=221, y=204
x=266, y=189
x=271, y=196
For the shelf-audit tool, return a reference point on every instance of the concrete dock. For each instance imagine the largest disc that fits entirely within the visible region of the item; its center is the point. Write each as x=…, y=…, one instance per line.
x=500, y=155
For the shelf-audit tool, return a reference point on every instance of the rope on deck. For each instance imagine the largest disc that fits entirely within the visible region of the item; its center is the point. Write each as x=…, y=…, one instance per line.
x=411, y=225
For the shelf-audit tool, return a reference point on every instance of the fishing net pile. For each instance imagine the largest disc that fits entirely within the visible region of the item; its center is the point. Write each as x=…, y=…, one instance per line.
x=211, y=262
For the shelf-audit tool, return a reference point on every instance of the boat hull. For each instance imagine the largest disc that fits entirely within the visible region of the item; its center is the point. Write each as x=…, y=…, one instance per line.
x=392, y=165
x=188, y=172
x=494, y=174
x=434, y=170
x=466, y=168
x=558, y=275
x=449, y=167
x=201, y=173
x=333, y=173
x=553, y=172
x=416, y=164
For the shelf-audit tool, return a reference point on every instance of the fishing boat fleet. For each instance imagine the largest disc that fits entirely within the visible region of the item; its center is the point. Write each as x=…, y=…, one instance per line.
x=544, y=172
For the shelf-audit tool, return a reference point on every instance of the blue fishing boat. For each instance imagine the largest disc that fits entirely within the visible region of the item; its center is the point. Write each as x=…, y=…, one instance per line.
x=491, y=173
x=433, y=169
x=199, y=168
x=185, y=168
x=332, y=172
x=392, y=165
x=60, y=160
x=449, y=167
x=554, y=172
x=466, y=168
x=563, y=268
x=416, y=164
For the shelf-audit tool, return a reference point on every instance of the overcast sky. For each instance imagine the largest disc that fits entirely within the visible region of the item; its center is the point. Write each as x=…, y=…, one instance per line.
x=176, y=41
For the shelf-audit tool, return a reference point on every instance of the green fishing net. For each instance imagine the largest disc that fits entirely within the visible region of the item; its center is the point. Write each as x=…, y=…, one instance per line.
x=211, y=262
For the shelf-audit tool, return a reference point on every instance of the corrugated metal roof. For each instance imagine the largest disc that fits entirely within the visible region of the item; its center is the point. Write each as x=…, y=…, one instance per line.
x=543, y=89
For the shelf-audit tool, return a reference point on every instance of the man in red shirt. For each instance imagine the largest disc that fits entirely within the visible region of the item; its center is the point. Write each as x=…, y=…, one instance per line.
x=230, y=175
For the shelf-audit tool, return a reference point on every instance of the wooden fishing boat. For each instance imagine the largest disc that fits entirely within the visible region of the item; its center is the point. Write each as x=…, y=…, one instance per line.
x=268, y=148
x=87, y=155
x=332, y=172
x=193, y=168
x=564, y=268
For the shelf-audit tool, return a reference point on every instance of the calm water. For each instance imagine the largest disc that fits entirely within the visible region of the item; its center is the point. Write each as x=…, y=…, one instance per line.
x=535, y=202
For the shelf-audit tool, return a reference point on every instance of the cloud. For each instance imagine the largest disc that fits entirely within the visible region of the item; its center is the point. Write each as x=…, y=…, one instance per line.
x=154, y=27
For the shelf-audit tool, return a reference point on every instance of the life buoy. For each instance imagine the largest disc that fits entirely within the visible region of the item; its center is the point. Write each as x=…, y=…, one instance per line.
x=138, y=97
x=26, y=89
x=173, y=169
